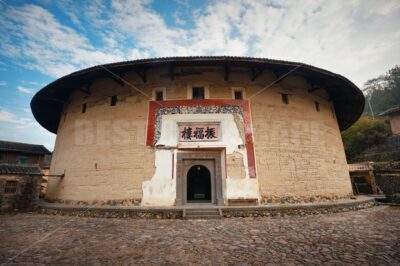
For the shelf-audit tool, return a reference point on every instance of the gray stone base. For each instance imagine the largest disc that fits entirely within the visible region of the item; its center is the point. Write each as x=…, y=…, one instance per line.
x=301, y=210
x=275, y=210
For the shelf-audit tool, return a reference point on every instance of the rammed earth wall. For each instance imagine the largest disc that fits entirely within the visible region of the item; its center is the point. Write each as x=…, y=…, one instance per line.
x=298, y=150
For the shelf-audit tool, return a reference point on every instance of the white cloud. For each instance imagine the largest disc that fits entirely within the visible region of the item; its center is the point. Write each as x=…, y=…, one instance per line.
x=25, y=90
x=3, y=83
x=46, y=45
x=6, y=116
x=177, y=18
x=20, y=125
x=359, y=39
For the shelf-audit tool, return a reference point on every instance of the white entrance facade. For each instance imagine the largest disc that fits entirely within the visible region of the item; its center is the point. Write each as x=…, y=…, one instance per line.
x=174, y=157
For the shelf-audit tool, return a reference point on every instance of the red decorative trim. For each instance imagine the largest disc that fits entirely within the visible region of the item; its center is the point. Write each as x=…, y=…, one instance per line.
x=226, y=174
x=202, y=148
x=173, y=166
x=248, y=127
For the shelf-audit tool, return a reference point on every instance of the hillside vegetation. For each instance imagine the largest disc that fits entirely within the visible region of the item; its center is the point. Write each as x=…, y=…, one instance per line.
x=367, y=133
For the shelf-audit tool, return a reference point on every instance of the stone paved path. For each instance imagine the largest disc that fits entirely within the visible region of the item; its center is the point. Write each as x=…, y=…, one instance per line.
x=366, y=237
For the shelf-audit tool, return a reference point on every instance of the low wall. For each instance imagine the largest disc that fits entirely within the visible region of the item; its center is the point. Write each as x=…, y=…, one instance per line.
x=227, y=211
x=114, y=213
x=387, y=176
x=26, y=196
x=279, y=211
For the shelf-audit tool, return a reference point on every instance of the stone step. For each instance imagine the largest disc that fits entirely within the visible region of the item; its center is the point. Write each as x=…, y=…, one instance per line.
x=202, y=217
x=202, y=211
x=202, y=214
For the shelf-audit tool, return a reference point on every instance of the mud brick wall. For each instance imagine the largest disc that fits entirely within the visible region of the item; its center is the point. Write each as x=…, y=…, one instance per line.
x=387, y=175
x=103, y=153
x=299, y=151
x=27, y=195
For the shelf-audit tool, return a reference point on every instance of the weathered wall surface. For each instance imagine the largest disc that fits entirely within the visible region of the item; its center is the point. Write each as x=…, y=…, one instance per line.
x=102, y=151
x=27, y=195
x=395, y=123
x=299, y=151
x=387, y=175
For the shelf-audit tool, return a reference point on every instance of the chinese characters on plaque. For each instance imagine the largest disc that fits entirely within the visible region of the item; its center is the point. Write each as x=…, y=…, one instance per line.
x=199, y=132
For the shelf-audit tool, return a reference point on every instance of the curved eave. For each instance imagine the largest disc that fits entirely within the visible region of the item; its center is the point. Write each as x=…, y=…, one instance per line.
x=47, y=104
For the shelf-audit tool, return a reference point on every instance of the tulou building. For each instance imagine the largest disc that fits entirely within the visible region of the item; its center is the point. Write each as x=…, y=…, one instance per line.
x=185, y=130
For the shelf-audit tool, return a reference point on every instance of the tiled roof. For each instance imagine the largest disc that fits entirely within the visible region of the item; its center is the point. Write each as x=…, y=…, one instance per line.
x=15, y=169
x=392, y=110
x=348, y=100
x=23, y=147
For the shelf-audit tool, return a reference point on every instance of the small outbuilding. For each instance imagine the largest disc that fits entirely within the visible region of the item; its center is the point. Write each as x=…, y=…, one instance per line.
x=19, y=186
x=394, y=118
x=21, y=174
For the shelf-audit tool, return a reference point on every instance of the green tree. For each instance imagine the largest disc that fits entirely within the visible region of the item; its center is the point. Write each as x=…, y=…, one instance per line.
x=364, y=134
x=383, y=91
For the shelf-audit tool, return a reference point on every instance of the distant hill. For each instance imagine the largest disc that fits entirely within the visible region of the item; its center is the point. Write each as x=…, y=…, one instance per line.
x=383, y=92
x=368, y=138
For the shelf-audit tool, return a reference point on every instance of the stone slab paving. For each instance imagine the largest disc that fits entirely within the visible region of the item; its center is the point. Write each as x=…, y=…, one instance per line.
x=365, y=237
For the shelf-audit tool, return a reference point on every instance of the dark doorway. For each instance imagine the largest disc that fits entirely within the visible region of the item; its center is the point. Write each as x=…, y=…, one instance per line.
x=199, y=184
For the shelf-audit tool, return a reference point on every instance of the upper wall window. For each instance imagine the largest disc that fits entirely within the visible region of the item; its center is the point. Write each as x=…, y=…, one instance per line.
x=238, y=93
x=285, y=98
x=2, y=157
x=22, y=159
x=197, y=93
x=11, y=187
x=317, y=107
x=159, y=94
x=113, y=100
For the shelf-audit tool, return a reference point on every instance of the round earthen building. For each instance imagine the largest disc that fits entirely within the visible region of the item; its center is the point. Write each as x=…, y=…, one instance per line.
x=218, y=130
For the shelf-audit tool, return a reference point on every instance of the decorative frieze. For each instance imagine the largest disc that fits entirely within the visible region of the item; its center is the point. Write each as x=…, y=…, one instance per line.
x=198, y=109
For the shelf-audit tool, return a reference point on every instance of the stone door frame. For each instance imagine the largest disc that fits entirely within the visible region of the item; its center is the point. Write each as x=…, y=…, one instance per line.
x=187, y=164
x=208, y=158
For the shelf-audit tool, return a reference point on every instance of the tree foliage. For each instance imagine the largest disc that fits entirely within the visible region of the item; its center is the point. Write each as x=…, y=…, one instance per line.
x=364, y=134
x=383, y=92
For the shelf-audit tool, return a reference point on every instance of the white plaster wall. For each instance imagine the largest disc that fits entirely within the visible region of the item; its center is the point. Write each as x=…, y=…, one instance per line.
x=242, y=188
x=161, y=189
x=230, y=139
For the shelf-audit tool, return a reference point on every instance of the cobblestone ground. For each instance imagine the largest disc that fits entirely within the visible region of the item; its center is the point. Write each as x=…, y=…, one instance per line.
x=366, y=237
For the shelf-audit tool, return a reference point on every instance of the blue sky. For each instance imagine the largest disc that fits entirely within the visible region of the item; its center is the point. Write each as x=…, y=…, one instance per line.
x=41, y=41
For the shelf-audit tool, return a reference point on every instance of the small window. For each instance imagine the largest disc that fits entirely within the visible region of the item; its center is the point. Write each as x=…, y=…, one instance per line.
x=197, y=93
x=22, y=159
x=11, y=187
x=159, y=95
x=113, y=100
x=317, y=106
x=285, y=98
x=238, y=95
x=83, y=108
x=2, y=157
